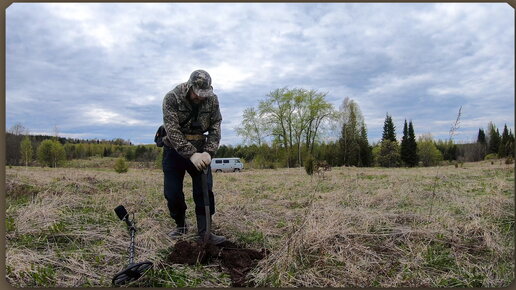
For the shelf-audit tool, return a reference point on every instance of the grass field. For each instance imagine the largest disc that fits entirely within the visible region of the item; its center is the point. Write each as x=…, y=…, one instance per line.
x=356, y=227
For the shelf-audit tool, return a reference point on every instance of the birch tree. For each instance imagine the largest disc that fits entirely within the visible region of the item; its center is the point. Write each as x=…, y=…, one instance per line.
x=26, y=150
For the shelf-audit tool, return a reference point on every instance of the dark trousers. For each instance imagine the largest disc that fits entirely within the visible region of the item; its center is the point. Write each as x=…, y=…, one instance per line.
x=174, y=168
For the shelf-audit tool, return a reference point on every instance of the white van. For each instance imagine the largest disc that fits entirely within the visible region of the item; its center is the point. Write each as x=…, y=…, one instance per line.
x=226, y=164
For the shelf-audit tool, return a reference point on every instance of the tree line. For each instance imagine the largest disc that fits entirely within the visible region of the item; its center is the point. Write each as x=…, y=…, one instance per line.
x=52, y=151
x=286, y=128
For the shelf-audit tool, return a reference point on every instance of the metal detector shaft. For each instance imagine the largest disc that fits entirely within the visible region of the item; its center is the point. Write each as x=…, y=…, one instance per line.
x=131, y=246
x=133, y=271
x=206, y=198
x=132, y=230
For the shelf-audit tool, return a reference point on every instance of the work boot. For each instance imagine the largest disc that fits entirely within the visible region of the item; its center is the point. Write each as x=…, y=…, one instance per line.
x=180, y=230
x=201, y=230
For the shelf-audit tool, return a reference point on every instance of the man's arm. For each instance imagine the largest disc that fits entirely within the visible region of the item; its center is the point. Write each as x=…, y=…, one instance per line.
x=171, y=122
x=212, y=142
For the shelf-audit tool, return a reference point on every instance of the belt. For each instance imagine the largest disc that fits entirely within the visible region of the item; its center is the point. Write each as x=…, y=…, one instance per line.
x=195, y=137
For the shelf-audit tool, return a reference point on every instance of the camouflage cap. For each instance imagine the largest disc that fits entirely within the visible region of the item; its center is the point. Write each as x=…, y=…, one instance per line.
x=200, y=82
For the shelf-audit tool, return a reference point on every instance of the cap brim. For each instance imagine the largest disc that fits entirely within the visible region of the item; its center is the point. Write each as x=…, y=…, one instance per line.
x=203, y=93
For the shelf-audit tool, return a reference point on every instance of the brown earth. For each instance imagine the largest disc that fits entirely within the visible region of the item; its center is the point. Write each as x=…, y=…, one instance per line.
x=235, y=259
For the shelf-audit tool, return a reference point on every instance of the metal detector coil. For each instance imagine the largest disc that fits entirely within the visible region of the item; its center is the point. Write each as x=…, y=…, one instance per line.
x=133, y=271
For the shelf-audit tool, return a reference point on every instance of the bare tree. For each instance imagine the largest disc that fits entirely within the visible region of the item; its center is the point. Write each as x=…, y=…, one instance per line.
x=18, y=129
x=55, y=131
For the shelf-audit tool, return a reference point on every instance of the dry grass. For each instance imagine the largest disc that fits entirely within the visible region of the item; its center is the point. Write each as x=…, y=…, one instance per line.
x=357, y=227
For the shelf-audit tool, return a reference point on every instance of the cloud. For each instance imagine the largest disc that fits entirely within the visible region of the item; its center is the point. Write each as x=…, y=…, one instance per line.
x=104, y=68
x=389, y=84
x=103, y=116
x=228, y=76
x=148, y=100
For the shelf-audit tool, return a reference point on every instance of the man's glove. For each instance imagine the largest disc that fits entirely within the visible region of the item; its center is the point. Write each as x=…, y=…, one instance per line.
x=206, y=158
x=197, y=160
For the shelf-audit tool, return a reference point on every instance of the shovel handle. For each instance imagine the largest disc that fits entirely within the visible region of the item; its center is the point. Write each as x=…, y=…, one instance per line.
x=204, y=180
x=206, y=198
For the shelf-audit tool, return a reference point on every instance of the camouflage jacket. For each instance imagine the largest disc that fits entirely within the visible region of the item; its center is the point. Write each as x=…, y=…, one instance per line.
x=177, y=109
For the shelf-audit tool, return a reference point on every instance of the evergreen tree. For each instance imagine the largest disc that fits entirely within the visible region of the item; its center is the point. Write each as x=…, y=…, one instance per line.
x=494, y=139
x=404, y=145
x=389, y=155
x=365, y=150
x=389, y=132
x=354, y=147
x=504, y=147
x=412, y=157
x=349, y=141
x=511, y=144
x=121, y=166
x=482, y=144
x=448, y=149
x=481, y=138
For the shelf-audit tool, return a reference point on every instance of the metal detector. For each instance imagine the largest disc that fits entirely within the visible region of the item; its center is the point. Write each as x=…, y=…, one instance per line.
x=133, y=271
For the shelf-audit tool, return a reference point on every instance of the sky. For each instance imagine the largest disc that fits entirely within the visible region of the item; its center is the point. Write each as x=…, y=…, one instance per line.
x=101, y=70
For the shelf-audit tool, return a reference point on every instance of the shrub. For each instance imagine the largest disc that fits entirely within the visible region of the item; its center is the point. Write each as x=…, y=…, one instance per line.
x=51, y=153
x=309, y=165
x=428, y=153
x=121, y=166
x=491, y=156
x=158, y=162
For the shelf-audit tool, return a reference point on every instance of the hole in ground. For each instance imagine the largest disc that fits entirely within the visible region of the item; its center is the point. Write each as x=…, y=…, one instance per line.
x=235, y=259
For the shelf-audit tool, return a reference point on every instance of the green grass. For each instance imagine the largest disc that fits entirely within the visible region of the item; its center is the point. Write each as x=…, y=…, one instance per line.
x=251, y=238
x=373, y=177
x=170, y=278
x=41, y=276
x=463, y=278
x=439, y=257
x=10, y=226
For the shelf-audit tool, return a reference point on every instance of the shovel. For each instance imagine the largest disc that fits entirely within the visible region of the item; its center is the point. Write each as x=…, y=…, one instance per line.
x=206, y=198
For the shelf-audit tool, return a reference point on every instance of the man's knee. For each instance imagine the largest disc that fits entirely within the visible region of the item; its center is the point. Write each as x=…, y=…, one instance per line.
x=177, y=207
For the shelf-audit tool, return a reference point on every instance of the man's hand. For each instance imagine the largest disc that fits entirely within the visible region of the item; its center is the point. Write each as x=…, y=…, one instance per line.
x=201, y=160
x=197, y=160
x=206, y=159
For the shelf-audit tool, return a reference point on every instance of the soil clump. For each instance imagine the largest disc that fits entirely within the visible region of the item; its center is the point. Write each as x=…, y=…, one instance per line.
x=235, y=259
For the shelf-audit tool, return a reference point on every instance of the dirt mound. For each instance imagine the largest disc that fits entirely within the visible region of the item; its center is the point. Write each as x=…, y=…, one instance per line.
x=236, y=260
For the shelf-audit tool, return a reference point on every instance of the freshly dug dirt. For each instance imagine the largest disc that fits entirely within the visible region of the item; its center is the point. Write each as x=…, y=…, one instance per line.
x=236, y=260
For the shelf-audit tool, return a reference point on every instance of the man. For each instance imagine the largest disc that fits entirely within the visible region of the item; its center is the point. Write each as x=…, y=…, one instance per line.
x=189, y=110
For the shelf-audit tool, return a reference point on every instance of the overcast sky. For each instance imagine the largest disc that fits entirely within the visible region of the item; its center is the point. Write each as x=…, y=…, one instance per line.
x=101, y=70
